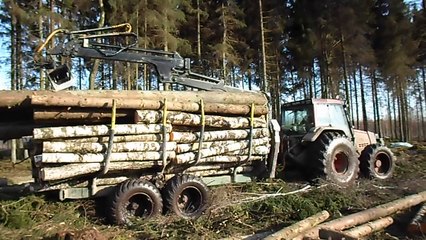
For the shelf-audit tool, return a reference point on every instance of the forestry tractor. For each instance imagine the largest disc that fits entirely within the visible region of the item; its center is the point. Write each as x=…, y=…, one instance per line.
x=315, y=136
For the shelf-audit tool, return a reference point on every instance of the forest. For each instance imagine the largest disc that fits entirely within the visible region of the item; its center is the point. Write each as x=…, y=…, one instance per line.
x=371, y=53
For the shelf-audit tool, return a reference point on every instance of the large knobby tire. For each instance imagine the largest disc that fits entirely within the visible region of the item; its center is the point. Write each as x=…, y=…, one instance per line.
x=377, y=162
x=335, y=159
x=186, y=196
x=134, y=199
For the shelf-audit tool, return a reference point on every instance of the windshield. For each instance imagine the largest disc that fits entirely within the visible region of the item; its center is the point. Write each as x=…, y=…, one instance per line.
x=297, y=121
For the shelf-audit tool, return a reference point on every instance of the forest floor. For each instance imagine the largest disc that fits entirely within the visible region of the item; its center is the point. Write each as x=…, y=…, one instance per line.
x=44, y=217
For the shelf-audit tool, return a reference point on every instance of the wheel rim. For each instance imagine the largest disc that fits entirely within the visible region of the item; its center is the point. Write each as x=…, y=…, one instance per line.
x=139, y=205
x=341, y=163
x=382, y=163
x=190, y=200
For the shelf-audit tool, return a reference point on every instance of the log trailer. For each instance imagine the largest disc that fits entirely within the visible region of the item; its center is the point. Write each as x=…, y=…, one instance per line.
x=150, y=150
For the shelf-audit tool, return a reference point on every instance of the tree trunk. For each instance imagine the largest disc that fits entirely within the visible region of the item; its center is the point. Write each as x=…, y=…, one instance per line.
x=369, y=214
x=96, y=62
x=264, y=82
x=41, y=34
x=356, y=100
x=299, y=227
x=363, y=103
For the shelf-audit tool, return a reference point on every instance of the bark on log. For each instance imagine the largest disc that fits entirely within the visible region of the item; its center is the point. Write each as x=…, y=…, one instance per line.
x=370, y=214
x=191, y=137
x=133, y=103
x=188, y=119
x=295, y=229
x=11, y=99
x=82, y=148
x=247, y=98
x=97, y=130
x=97, y=157
x=370, y=227
x=217, y=150
x=188, y=147
x=74, y=170
x=117, y=139
x=78, y=114
x=330, y=234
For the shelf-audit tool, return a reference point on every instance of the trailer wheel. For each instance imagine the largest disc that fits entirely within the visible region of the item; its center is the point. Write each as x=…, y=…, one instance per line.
x=377, y=162
x=186, y=196
x=335, y=159
x=133, y=199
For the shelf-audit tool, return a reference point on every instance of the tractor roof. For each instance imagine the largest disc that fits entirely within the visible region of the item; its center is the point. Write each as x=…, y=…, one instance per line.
x=313, y=101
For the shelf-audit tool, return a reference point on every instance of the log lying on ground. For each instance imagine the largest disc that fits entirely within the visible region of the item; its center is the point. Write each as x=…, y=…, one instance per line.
x=191, y=137
x=368, y=215
x=295, y=229
x=97, y=157
x=96, y=130
x=67, y=147
x=418, y=223
x=370, y=227
x=188, y=119
x=74, y=170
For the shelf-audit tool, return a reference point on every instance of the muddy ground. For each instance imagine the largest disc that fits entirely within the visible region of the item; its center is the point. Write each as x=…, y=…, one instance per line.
x=44, y=217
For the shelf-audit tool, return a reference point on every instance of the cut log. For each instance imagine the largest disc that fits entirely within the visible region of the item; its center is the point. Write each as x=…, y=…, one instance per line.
x=188, y=147
x=97, y=130
x=191, y=137
x=418, y=223
x=82, y=148
x=217, y=150
x=330, y=234
x=368, y=228
x=369, y=214
x=75, y=170
x=78, y=114
x=188, y=119
x=97, y=157
x=295, y=229
x=117, y=139
x=11, y=99
x=247, y=98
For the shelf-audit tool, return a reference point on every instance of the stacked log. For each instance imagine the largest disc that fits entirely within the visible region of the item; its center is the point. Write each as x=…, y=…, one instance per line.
x=201, y=133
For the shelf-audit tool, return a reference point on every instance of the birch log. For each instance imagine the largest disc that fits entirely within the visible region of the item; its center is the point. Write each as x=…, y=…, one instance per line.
x=96, y=130
x=295, y=229
x=117, y=139
x=191, y=137
x=370, y=227
x=188, y=147
x=97, y=157
x=216, y=150
x=82, y=148
x=189, y=119
x=74, y=170
x=369, y=214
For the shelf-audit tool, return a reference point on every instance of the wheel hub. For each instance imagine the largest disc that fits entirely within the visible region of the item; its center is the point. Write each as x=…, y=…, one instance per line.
x=341, y=163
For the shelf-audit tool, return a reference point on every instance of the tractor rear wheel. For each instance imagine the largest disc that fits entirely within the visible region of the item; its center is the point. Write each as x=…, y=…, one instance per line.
x=335, y=159
x=377, y=162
